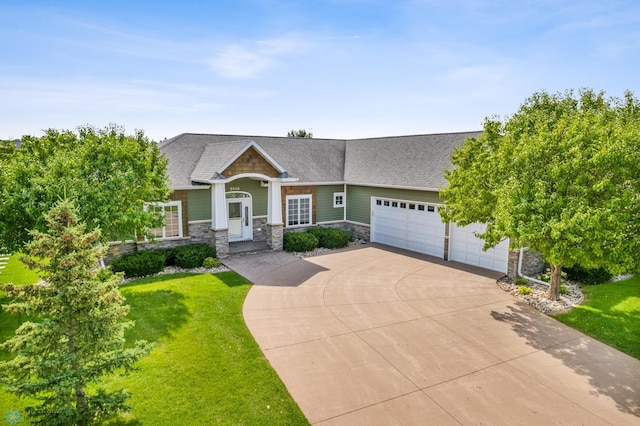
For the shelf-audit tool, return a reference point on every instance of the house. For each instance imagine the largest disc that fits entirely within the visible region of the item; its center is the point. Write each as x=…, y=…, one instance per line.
x=228, y=189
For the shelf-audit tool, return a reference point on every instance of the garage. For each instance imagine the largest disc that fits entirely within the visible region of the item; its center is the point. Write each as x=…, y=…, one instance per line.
x=409, y=225
x=465, y=247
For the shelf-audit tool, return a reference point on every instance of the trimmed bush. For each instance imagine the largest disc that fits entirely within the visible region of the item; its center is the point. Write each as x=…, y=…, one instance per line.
x=211, y=262
x=170, y=254
x=521, y=281
x=192, y=255
x=524, y=290
x=300, y=241
x=140, y=264
x=564, y=289
x=330, y=237
x=588, y=276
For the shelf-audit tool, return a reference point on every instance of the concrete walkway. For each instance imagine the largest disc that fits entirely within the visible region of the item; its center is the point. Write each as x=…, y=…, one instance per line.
x=379, y=336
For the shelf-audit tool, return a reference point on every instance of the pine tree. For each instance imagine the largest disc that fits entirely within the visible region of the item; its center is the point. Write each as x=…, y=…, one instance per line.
x=78, y=337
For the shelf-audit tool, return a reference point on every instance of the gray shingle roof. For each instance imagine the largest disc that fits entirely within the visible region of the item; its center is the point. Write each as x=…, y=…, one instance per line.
x=309, y=160
x=405, y=161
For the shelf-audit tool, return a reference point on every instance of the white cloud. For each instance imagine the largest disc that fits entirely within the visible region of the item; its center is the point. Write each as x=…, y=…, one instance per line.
x=243, y=62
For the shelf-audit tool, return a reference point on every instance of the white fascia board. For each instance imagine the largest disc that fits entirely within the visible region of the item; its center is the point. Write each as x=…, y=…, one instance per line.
x=183, y=188
x=411, y=188
x=297, y=183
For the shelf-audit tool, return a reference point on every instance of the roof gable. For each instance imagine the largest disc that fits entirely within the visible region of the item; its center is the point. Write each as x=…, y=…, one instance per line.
x=226, y=159
x=252, y=161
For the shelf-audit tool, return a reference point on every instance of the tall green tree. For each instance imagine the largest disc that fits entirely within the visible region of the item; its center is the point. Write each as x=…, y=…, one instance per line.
x=107, y=173
x=78, y=337
x=561, y=176
x=301, y=133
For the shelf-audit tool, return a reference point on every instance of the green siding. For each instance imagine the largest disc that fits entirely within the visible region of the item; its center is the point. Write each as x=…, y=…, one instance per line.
x=359, y=199
x=259, y=195
x=325, y=212
x=199, y=204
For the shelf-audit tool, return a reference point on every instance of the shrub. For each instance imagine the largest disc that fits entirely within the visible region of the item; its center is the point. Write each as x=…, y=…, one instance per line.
x=192, y=255
x=210, y=263
x=564, y=289
x=300, y=241
x=331, y=237
x=546, y=275
x=521, y=281
x=140, y=264
x=104, y=274
x=524, y=290
x=170, y=254
x=588, y=276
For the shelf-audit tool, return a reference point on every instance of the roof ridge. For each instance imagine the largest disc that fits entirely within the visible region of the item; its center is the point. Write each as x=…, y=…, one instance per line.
x=415, y=135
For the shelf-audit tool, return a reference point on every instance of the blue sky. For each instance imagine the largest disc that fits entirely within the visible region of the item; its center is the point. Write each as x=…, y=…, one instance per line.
x=337, y=68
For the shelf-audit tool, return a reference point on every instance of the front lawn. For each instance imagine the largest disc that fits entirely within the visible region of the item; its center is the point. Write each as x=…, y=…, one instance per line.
x=205, y=367
x=17, y=273
x=611, y=314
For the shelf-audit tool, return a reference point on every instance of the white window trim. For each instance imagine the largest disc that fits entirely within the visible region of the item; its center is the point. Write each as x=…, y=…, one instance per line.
x=335, y=198
x=164, y=226
x=299, y=197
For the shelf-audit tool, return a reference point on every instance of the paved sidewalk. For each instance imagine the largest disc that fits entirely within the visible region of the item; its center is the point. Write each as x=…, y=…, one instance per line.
x=379, y=336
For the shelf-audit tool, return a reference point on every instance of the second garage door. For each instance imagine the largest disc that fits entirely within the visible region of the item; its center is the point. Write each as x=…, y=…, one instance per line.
x=407, y=224
x=465, y=247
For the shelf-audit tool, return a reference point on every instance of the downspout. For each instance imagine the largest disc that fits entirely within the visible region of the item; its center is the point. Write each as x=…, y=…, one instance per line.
x=535, y=280
x=344, y=205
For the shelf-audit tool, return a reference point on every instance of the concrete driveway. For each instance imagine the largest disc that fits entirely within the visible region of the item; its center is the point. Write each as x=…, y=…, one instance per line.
x=380, y=336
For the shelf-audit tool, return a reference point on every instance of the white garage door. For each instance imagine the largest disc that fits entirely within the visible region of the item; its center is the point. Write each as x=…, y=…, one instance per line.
x=407, y=224
x=465, y=247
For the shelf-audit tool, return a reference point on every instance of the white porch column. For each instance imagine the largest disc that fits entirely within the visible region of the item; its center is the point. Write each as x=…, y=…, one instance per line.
x=274, y=204
x=219, y=218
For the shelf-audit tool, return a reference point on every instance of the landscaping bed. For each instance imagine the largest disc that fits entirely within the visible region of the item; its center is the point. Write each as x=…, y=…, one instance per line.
x=538, y=296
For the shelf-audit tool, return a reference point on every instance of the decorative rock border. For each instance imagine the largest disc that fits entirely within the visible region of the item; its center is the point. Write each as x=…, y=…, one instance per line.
x=538, y=297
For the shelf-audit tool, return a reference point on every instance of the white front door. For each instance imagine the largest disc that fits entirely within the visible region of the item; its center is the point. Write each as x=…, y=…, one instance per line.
x=240, y=218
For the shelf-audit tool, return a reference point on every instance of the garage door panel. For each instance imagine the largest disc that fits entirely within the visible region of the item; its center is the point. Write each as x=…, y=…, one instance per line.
x=465, y=247
x=416, y=229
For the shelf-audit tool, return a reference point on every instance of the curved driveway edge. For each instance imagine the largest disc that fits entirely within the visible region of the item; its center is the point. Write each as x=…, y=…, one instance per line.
x=380, y=336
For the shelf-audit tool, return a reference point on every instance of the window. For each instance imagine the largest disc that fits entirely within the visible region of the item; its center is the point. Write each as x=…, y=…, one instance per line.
x=431, y=208
x=298, y=210
x=172, y=213
x=421, y=207
x=338, y=199
x=394, y=204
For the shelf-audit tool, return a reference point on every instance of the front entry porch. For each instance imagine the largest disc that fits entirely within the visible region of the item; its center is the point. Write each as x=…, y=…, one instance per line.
x=250, y=246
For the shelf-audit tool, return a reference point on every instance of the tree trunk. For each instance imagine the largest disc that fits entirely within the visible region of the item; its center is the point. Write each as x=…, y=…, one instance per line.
x=82, y=405
x=554, y=285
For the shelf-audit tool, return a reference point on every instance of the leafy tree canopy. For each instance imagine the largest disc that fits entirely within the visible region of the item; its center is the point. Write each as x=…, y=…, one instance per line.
x=107, y=173
x=561, y=176
x=77, y=337
x=301, y=133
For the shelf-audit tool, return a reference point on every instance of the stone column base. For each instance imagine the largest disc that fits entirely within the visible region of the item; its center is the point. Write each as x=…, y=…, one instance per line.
x=512, y=264
x=275, y=238
x=221, y=241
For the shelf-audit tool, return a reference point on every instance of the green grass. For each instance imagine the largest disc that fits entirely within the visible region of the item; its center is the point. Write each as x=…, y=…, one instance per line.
x=17, y=273
x=205, y=367
x=611, y=314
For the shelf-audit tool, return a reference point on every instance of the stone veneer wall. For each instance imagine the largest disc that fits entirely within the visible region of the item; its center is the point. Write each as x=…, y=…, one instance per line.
x=200, y=232
x=260, y=229
x=221, y=241
x=275, y=237
x=532, y=263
